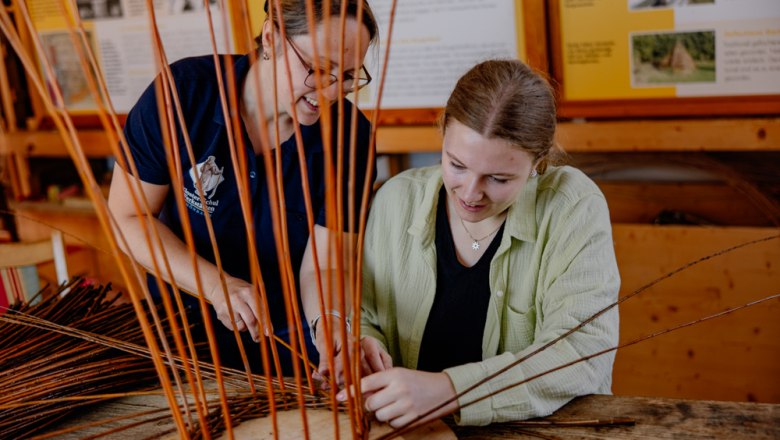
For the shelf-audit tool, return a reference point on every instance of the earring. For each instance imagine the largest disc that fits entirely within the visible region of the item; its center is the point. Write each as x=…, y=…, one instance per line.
x=534, y=173
x=265, y=56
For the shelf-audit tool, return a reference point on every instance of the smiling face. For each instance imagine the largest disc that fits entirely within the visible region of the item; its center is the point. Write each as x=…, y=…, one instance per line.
x=300, y=51
x=482, y=176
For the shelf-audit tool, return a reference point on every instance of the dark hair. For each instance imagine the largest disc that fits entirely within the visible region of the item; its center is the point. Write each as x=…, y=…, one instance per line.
x=506, y=99
x=296, y=21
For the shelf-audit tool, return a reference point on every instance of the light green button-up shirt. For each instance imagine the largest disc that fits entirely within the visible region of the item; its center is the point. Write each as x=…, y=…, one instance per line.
x=554, y=268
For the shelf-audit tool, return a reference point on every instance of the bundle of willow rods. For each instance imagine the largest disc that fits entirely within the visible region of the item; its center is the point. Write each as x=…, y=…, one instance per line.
x=46, y=374
x=40, y=368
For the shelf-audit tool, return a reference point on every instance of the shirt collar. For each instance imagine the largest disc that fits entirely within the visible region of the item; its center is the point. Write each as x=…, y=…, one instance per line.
x=424, y=220
x=521, y=217
x=310, y=137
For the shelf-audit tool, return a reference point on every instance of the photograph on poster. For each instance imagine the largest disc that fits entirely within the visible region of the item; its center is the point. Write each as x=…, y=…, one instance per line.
x=97, y=9
x=180, y=6
x=672, y=57
x=645, y=4
x=60, y=52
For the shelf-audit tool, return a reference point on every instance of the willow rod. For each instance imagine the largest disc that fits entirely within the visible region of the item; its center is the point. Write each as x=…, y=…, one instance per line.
x=334, y=213
x=65, y=126
x=366, y=189
x=239, y=160
x=97, y=98
x=109, y=121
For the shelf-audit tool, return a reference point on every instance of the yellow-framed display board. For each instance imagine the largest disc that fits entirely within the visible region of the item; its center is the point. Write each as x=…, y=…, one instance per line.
x=666, y=57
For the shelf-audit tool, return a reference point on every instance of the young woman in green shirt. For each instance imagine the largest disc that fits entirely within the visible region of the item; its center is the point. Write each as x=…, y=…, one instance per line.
x=475, y=263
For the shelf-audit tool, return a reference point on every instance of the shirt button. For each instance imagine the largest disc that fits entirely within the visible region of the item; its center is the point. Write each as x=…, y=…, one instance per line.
x=252, y=174
x=500, y=293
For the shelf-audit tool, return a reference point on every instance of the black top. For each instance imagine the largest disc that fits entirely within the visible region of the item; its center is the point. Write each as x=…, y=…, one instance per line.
x=453, y=334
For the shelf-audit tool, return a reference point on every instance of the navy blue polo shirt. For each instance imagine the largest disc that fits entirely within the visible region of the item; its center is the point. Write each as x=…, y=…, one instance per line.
x=198, y=90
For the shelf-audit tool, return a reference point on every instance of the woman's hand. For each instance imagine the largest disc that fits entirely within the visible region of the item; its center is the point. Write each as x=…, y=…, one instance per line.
x=323, y=370
x=398, y=396
x=373, y=357
x=244, y=303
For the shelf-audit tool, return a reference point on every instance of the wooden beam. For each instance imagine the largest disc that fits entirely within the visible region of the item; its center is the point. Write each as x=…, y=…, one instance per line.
x=744, y=134
x=49, y=143
x=748, y=134
x=535, y=28
x=407, y=139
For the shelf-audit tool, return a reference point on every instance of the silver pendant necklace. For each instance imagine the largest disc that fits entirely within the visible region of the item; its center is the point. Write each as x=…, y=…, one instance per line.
x=474, y=241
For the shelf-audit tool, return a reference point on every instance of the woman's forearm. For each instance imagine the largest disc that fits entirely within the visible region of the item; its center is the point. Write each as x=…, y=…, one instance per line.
x=173, y=262
x=138, y=232
x=333, y=294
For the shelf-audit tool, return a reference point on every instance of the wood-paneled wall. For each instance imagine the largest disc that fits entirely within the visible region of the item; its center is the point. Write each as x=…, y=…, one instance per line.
x=736, y=357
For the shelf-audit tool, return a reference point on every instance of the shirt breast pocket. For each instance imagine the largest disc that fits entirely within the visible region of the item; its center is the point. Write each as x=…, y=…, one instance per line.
x=519, y=325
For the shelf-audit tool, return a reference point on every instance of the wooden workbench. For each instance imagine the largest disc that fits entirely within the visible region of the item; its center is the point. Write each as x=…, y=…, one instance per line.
x=654, y=418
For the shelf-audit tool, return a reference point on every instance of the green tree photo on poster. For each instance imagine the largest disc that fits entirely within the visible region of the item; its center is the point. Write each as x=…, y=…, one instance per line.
x=642, y=4
x=673, y=57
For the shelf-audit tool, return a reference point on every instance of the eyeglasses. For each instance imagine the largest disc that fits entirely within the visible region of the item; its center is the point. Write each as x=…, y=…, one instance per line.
x=351, y=83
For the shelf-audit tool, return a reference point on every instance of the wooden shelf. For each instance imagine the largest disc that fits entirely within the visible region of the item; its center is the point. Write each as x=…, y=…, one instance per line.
x=732, y=134
x=728, y=134
x=50, y=144
x=54, y=208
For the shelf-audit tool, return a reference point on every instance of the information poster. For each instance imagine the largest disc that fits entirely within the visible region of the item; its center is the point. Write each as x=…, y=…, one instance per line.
x=629, y=49
x=434, y=42
x=120, y=36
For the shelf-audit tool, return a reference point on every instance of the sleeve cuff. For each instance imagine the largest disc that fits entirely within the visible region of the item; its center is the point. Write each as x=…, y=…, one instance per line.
x=465, y=376
x=374, y=333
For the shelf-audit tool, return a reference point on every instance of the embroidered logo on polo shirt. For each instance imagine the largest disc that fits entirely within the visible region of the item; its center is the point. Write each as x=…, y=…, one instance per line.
x=210, y=177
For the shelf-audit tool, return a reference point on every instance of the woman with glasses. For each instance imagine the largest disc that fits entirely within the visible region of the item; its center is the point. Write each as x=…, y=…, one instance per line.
x=473, y=269
x=269, y=102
